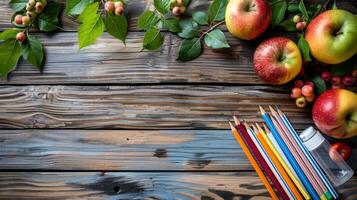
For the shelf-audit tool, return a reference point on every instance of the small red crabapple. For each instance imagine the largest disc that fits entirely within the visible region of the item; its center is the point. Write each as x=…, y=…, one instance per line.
x=39, y=7
x=26, y=20
x=18, y=19
x=31, y=14
x=300, y=102
x=348, y=80
x=32, y=2
x=21, y=37
x=325, y=76
x=296, y=18
x=310, y=83
x=176, y=11
x=300, y=25
x=109, y=6
x=295, y=93
x=29, y=6
x=307, y=91
x=298, y=83
x=336, y=80
x=119, y=11
x=310, y=98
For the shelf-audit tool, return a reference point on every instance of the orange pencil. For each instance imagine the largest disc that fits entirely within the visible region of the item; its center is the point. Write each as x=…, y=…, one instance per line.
x=253, y=162
x=276, y=162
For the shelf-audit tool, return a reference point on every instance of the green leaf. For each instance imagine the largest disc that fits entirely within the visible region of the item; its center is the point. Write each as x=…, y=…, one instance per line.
x=313, y=10
x=200, y=17
x=189, y=28
x=173, y=25
x=302, y=9
x=293, y=8
x=48, y=20
x=10, y=52
x=92, y=25
x=344, y=68
x=76, y=7
x=116, y=26
x=190, y=49
x=288, y=25
x=163, y=6
x=32, y=51
x=18, y=5
x=216, y=39
x=152, y=39
x=9, y=34
x=278, y=10
x=147, y=20
x=320, y=85
x=304, y=48
x=217, y=10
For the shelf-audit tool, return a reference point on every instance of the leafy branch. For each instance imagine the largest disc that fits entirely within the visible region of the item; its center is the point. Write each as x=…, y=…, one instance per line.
x=17, y=42
x=201, y=27
x=97, y=15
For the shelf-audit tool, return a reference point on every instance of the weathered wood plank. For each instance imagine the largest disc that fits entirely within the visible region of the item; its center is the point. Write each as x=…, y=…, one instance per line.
x=108, y=150
x=108, y=61
x=140, y=107
x=140, y=186
x=120, y=150
x=131, y=186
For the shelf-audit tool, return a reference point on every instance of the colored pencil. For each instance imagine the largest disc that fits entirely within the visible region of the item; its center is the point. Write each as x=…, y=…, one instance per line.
x=300, y=156
x=264, y=141
x=254, y=163
x=269, y=162
x=288, y=170
x=289, y=155
x=308, y=154
x=260, y=159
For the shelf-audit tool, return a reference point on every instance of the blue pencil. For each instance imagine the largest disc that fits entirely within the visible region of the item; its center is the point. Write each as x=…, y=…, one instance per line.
x=308, y=154
x=290, y=157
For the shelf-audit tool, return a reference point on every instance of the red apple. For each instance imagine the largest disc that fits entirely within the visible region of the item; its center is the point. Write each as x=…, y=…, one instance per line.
x=247, y=19
x=277, y=60
x=335, y=113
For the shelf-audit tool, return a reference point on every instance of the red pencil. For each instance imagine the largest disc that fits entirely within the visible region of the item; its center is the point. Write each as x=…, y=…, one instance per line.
x=260, y=159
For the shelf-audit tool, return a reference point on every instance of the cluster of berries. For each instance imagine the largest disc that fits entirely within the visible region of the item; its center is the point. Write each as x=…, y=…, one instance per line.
x=114, y=6
x=33, y=8
x=338, y=81
x=177, y=7
x=300, y=24
x=303, y=92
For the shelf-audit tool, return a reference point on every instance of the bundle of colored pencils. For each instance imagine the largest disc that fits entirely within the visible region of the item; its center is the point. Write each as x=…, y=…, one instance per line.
x=281, y=160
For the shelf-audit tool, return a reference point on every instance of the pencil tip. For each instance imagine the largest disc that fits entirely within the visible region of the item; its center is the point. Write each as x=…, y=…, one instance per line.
x=231, y=124
x=262, y=111
x=236, y=120
x=272, y=110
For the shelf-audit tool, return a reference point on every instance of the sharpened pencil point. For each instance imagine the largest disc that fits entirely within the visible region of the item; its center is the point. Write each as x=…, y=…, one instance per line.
x=258, y=127
x=272, y=110
x=236, y=120
x=231, y=124
x=262, y=111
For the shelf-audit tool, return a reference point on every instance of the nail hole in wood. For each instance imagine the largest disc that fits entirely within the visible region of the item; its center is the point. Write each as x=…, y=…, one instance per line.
x=116, y=189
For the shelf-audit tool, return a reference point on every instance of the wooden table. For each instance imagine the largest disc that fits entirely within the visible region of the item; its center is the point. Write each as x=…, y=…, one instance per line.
x=113, y=122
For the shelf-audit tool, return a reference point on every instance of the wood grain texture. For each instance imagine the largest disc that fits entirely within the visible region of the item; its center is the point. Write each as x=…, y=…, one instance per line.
x=110, y=62
x=131, y=186
x=120, y=150
x=140, y=107
x=198, y=150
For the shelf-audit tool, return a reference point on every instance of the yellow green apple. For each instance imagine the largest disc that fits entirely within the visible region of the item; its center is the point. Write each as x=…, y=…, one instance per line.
x=332, y=36
x=335, y=113
x=247, y=19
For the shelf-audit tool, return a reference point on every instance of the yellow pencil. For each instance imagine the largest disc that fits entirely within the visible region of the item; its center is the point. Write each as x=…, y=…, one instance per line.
x=285, y=166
